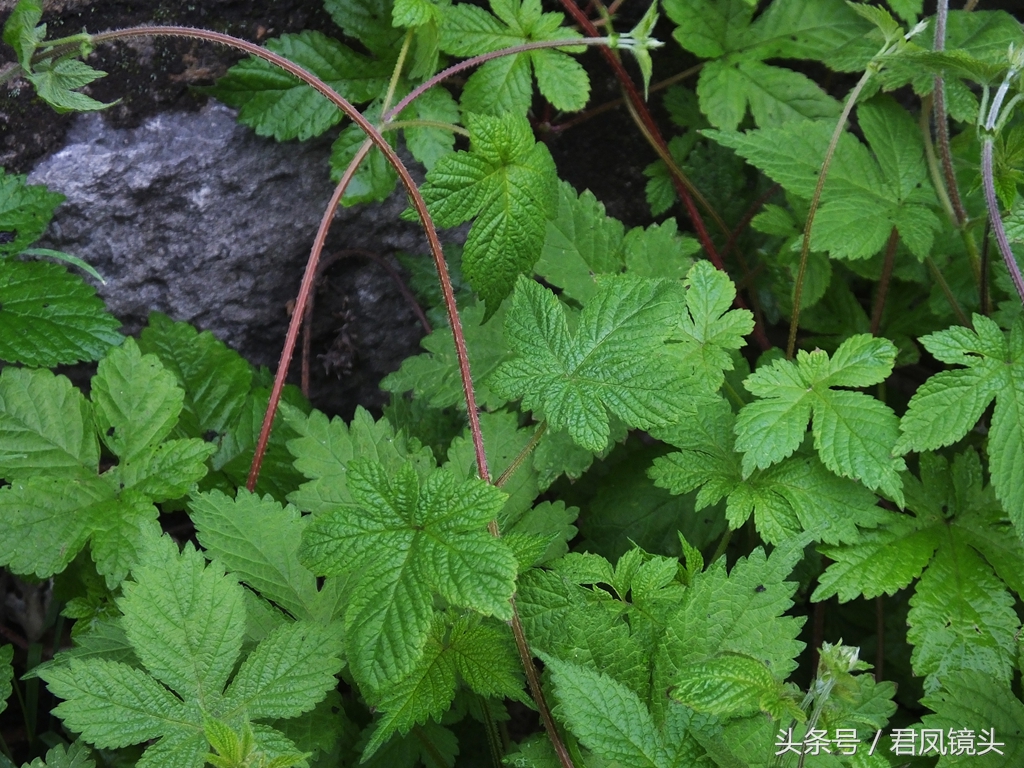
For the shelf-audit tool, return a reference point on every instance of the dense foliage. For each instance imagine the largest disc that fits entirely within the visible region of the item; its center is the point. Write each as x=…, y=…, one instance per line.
x=388, y=589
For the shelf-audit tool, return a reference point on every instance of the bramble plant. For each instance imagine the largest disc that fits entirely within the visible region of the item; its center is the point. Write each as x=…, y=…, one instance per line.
x=529, y=559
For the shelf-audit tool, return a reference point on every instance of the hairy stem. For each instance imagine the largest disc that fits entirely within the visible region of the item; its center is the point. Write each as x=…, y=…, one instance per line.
x=942, y=122
x=884, y=280
x=805, y=250
x=523, y=455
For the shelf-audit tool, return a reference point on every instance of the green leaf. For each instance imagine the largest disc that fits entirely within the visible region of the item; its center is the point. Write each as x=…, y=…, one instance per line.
x=733, y=685
x=74, y=756
x=615, y=362
x=961, y=617
x=580, y=243
x=25, y=209
x=434, y=375
x=400, y=541
x=49, y=317
x=659, y=251
x=185, y=621
x=949, y=403
x=606, y=716
x=375, y=179
x=45, y=426
x=23, y=32
x=369, y=21
x=797, y=494
x=508, y=183
x=970, y=700
x=55, y=83
x=428, y=145
x=136, y=401
x=709, y=329
x=6, y=674
x=324, y=448
x=275, y=103
x=854, y=434
x=215, y=379
x=503, y=85
x=258, y=541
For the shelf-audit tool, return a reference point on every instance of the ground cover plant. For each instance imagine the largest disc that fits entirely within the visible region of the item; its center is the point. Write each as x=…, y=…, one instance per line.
x=651, y=496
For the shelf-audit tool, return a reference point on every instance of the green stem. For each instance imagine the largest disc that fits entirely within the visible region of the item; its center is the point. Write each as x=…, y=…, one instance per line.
x=523, y=454
x=805, y=250
x=401, y=124
x=948, y=293
x=397, y=72
x=723, y=544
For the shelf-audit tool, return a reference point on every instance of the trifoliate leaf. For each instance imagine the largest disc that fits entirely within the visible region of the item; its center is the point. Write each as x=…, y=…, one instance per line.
x=799, y=494
x=949, y=403
x=606, y=716
x=274, y=103
x=709, y=329
x=508, y=183
x=215, y=379
x=401, y=540
x=434, y=375
x=55, y=83
x=324, y=448
x=25, y=211
x=854, y=434
x=50, y=317
x=614, y=363
x=503, y=85
x=185, y=621
x=580, y=243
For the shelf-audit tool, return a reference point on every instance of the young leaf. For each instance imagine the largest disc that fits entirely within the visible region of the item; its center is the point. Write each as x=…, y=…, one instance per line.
x=615, y=362
x=401, y=540
x=854, y=434
x=503, y=85
x=733, y=685
x=949, y=403
x=508, y=183
x=185, y=621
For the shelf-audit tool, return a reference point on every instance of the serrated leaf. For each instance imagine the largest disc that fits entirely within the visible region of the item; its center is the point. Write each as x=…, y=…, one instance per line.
x=258, y=540
x=369, y=21
x=733, y=685
x=275, y=103
x=580, y=242
x=215, y=379
x=324, y=448
x=854, y=434
x=508, y=183
x=22, y=30
x=45, y=426
x=50, y=317
x=55, y=83
x=185, y=620
x=401, y=540
x=434, y=375
x=950, y=402
x=607, y=717
x=74, y=756
x=25, y=209
x=659, y=251
x=615, y=362
x=135, y=400
x=374, y=179
x=503, y=85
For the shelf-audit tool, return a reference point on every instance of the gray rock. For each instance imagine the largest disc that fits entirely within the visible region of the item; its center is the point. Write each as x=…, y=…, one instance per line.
x=193, y=215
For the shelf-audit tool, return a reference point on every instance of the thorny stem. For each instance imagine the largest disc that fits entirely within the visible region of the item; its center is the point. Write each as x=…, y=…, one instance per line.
x=805, y=250
x=523, y=455
x=884, y=280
